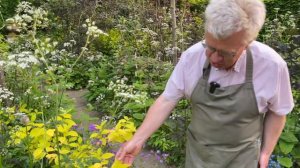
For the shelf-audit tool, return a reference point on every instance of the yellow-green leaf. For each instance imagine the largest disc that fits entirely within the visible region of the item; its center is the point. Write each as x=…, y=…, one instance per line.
x=105, y=132
x=35, y=132
x=50, y=132
x=17, y=141
x=23, y=108
x=20, y=134
x=51, y=157
x=107, y=155
x=94, y=135
x=69, y=116
x=285, y=161
x=79, y=140
x=99, y=151
x=72, y=133
x=103, y=140
x=63, y=140
x=64, y=151
x=61, y=129
x=38, y=154
x=104, y=162
x=58, y=118
x=69, y=122
x=38, y=124
x=49, y=149
x=56, y=160
x=119, y=164
x=73, y=145
x=72, y=139
x=96, y=165
x=33, y=117
x=43, y=143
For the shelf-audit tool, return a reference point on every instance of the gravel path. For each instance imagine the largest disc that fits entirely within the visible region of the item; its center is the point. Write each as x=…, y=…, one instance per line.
x=146, y=159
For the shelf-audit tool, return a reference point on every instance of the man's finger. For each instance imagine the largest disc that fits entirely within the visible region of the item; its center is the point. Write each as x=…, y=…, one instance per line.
x=128, y=159
x=120, y=154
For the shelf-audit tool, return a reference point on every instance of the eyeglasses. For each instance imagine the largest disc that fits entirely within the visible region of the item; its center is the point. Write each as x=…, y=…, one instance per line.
x=221, y=53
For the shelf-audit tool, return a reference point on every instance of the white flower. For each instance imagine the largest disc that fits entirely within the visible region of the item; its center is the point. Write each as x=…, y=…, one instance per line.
x=155, y=43
x=55, y=43
x=67, y=44
x=25, y=14
x=24, y=120
x=5, y=94
x=93, y=30
x=22, y=60
x=26, y=18
x=28, y=91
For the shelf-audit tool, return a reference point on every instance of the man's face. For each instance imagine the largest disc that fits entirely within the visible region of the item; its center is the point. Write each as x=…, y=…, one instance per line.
x=224, y=53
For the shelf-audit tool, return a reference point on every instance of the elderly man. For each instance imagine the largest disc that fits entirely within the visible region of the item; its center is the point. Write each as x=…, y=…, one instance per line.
x=239, y=89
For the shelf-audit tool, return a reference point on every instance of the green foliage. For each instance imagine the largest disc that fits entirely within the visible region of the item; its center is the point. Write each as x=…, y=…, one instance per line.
x=195, y=2
x=170, y=138
x=198, y=5
x=288, y=147
x=3, y=47
x=281, y=27
x=284, y=6
x=124, y=72
x=7, y=9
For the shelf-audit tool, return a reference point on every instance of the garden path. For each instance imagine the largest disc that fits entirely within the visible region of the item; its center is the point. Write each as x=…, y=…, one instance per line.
x=147, y=158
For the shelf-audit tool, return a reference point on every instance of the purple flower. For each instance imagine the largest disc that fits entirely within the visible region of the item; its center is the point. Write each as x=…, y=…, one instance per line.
x=92, y=127
x=158, y=157
x=165, y=155
x=75, y=126
x=96, y=142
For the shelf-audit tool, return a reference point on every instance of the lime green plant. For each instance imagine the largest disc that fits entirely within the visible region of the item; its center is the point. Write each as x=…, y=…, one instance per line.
x=38, y=139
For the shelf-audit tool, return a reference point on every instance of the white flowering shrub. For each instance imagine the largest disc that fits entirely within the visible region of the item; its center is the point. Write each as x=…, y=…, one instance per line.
x=93, y=30
x=5, y=95
x=27, y=18
x=127, y=92
x=21, y=60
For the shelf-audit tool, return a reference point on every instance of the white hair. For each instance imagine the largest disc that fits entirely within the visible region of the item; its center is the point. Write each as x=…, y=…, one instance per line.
x=225, y=17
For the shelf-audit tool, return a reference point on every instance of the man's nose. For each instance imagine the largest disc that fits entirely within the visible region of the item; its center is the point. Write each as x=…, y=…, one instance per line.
x=216, y=58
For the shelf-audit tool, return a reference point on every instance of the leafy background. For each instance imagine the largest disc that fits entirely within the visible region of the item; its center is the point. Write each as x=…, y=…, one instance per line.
x=121, y=51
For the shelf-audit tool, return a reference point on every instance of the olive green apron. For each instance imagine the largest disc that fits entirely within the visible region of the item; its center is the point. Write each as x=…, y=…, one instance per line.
x=226, y=126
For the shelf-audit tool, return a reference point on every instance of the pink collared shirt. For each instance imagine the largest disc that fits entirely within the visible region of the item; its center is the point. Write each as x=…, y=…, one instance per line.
x=270, y=77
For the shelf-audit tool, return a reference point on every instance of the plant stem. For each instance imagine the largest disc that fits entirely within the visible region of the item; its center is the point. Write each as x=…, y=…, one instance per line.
x=56, y=130
x=2, y=25
x=30, y=156
x=52, y=76
x=82, y=51
x=1, y=162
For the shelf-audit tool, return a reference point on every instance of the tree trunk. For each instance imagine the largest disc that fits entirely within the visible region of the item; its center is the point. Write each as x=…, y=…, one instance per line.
x=174, y=40
x=2, y=77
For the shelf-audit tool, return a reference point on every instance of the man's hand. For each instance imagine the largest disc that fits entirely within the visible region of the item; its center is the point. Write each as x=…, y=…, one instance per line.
x=273, y=126
x=263, y=160
x=128, y=152
x=156, y=115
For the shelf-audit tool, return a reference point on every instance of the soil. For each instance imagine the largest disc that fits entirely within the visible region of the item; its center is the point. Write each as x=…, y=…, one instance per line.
x=146, y=159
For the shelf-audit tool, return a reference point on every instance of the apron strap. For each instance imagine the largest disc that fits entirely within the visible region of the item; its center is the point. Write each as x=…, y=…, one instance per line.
x=206, y=70
x=249, y=66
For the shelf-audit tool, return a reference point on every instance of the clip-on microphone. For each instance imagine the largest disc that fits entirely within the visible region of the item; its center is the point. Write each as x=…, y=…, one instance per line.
x=213, y=86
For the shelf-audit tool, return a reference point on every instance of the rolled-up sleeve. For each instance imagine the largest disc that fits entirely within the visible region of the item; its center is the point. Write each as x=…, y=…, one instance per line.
x=282, y=102
x=174, y=89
